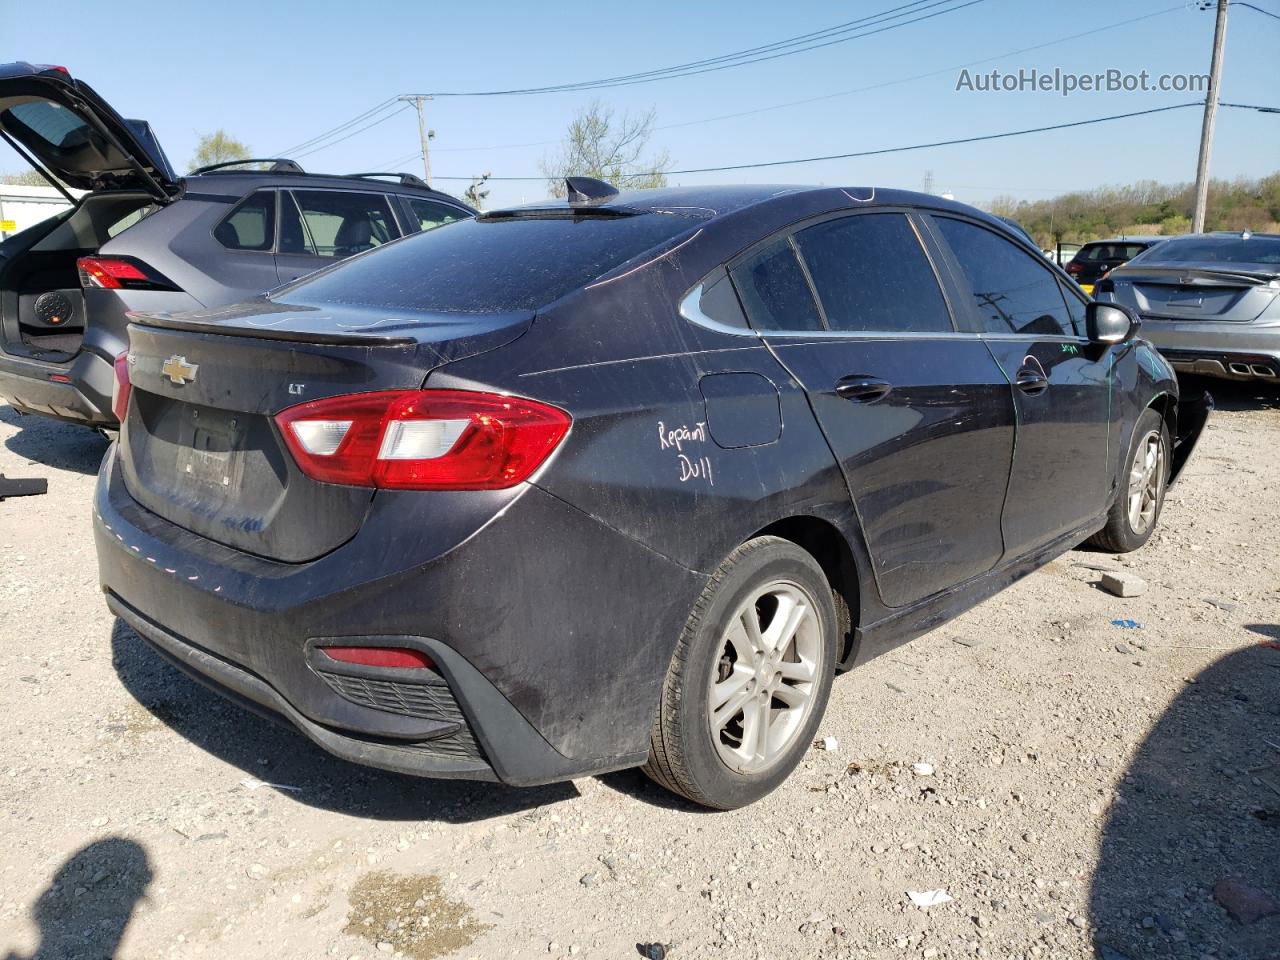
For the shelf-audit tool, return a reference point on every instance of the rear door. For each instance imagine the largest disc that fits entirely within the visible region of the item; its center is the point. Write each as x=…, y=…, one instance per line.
x=72, y=132
x=918, y=414
x=319, y=227
x=1060, y=383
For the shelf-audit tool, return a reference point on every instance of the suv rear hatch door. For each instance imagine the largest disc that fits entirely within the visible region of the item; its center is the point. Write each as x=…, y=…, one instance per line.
x=1233, y=293
x=200, y=447
x=76, y=135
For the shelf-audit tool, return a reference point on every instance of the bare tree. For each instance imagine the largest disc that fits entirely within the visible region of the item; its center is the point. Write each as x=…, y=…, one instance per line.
x=26, y=178
x=218, y=147
x=602, y=145
x=476, y=194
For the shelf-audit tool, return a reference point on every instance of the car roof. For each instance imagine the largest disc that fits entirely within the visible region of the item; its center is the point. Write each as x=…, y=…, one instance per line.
x=246, y=181
x=721, y=200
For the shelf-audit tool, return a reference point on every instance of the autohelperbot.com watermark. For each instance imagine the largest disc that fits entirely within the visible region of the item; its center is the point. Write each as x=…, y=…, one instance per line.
x=1065, y=82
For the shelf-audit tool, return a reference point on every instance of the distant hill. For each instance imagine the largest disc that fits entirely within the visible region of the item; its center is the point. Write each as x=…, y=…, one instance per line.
x=1145, y=208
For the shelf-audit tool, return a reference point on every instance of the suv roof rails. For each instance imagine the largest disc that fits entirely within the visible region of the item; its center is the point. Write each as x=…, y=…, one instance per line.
x=278, y=165
x=406, y=179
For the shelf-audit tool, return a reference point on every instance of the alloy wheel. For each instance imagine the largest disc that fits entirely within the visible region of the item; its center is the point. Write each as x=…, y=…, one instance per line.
x=1146, y=482
x=764, y=681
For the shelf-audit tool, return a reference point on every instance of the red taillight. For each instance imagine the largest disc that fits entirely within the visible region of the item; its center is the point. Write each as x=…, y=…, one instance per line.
x=423, y=439
x=401, y=657
x=1074, y=267
x=123, y=387
x=118, y=273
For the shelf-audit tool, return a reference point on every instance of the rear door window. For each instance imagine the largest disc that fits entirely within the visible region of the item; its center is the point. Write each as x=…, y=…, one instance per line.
x=494, y=264
x=774, y=290
x=338, y=224
x=1012, y=291
x=251, y=225
x=871, y=274
x=427, y=214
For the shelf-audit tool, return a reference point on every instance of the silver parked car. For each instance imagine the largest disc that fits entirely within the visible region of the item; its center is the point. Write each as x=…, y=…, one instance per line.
x=1209, y=302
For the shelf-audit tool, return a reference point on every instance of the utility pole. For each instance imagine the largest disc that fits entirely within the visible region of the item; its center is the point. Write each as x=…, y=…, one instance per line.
x=1210, y=117
x=424, y=134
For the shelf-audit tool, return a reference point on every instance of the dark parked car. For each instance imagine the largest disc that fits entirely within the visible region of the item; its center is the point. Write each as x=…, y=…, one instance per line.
x=623, y=480
x=1093, y=261
x=1210, y=303
x=143, y=238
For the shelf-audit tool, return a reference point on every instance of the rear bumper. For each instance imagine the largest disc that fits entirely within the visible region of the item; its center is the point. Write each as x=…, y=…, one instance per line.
x=1225, y=364
x=85, y=396
x=550, y=661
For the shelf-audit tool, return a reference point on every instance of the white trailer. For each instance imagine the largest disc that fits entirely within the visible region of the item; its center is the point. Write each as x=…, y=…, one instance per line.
x=23, y=206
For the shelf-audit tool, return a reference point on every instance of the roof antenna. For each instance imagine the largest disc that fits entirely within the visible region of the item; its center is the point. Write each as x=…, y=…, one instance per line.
x=588, y=191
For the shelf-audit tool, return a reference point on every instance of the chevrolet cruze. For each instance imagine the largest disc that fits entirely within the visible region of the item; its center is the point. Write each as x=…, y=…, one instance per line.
x=622, y=480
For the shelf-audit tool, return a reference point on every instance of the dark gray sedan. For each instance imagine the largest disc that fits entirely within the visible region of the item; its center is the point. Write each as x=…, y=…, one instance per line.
x=1210, y=302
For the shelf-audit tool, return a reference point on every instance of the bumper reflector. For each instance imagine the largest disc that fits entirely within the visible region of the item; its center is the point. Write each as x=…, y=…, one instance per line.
x=401, y=657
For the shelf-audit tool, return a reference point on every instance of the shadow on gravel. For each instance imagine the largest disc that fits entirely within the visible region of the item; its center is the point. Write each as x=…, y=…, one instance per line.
x=51, y=443
x=1233, y=394
x=83, y=912
x=277, y=753
x=1189, y=865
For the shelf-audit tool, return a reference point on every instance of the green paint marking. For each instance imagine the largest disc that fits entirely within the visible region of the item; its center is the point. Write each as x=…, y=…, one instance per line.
x=1070, y=348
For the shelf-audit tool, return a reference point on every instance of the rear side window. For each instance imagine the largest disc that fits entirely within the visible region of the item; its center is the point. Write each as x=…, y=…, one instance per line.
x=1012, y=291
x=428, y=214
x=486, y=266
x=251, y=225
x=1103, y=252
x=872, y=274
x=336, y=224
x=774, y=290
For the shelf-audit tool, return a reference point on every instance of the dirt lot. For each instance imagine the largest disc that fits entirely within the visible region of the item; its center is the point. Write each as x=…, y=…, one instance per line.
x=1091, y=783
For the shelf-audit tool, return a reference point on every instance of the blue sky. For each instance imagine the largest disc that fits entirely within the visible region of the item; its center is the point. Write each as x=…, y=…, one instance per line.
x=277, y=74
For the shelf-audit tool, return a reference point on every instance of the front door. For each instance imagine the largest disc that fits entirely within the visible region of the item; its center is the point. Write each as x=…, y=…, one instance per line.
x=918, y=414
x=1033, y=325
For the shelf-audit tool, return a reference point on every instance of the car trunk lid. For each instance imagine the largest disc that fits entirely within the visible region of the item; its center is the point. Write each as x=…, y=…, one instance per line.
x=1237, y=293
x=200, y=447
x=74, y=134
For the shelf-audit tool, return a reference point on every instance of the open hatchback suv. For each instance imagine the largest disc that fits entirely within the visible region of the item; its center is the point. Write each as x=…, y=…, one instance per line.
x=139, y=237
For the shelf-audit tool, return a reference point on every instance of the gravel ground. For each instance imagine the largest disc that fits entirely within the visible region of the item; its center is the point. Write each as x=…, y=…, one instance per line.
x=1086, y=788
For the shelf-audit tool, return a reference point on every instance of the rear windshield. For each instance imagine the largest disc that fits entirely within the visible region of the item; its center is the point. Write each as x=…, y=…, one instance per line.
x=1110, y=251
x=491, y=266
x=1219, y=250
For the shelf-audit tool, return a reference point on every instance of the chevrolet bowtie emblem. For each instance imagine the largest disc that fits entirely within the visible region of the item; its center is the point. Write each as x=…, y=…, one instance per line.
x=178, y=370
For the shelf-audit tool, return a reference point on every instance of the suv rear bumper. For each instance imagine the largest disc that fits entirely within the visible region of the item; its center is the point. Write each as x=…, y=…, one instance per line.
x=1225, y=364
x=84, y=397
x=547, y=668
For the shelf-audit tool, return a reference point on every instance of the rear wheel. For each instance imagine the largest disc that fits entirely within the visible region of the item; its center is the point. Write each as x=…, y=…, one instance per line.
x=750, y=678
x=1134, y=514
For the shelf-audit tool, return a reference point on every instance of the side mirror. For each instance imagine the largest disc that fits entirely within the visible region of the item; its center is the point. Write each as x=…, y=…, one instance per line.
x=1110, y=322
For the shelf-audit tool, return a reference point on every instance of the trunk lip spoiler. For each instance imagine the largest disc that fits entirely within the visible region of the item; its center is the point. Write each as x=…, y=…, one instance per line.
x=367, y=339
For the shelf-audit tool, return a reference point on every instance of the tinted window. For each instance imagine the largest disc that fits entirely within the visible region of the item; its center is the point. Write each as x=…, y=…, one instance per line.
x=429, y=214
x=872, y=274
x=1100, y=252
x=1075, y=309
x=1013, y=292
x=1218, y=250
x=479, y=266
x=52, y=123
x=774, y=290
x=341, y=224
x=250, y=226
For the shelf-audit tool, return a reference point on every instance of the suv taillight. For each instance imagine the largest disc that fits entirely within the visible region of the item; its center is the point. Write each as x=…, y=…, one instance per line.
x=422, y=439
x=1074, y=268
x=123, y=387
x=120, y=273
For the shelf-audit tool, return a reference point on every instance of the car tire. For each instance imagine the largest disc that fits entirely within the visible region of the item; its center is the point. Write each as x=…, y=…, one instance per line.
x=712, y=753
x=1145, y=478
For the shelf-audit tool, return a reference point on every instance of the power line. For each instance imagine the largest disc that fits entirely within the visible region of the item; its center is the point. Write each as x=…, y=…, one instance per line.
x=688, y=69
x=332, y=143
x=844, y=93
x=339, y=128
x=903, y=149
x=1265, y=13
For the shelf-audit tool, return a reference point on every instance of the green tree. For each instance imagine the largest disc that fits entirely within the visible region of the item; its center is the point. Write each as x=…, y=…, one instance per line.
x=218, y=147
x=600, y=144
x=25, y=178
